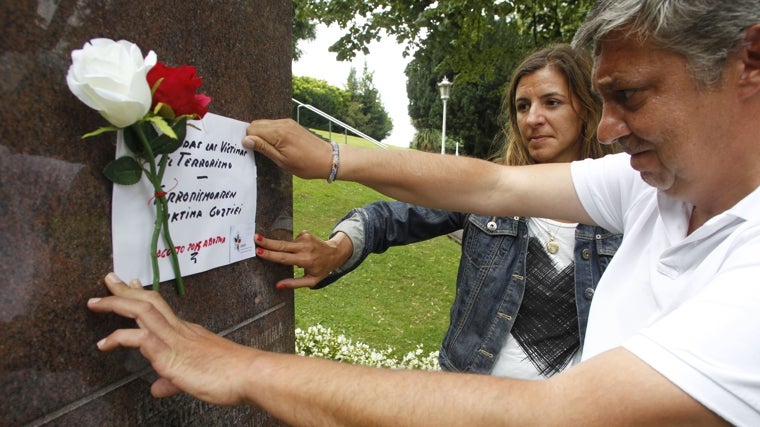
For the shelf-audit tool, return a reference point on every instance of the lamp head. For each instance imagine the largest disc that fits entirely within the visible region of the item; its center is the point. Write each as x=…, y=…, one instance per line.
x=444, y=86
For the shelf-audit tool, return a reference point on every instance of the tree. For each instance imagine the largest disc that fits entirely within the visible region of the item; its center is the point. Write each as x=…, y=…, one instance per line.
x=377, y=122
x=320, y=94
x=430, y=140
x=427, y=139
x=415, y=22
x=476, y=43
x=474, y=105
x=358, y=105
x=354, y=114
x=365, y=110
x=304, y=27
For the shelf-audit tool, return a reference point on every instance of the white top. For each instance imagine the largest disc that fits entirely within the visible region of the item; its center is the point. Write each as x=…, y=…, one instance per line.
x=512, y=361
x=689, y=306
x=563, y=233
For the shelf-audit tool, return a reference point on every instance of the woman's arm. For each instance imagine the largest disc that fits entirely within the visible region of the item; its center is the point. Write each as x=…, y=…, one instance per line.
x=362, y=231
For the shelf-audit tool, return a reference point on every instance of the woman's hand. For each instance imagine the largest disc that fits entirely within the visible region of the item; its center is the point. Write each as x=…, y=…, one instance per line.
x=316, y=256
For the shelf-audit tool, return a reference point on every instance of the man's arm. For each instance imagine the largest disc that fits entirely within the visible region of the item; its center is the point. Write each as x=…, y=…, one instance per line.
x=445, y=182
x=613, y=388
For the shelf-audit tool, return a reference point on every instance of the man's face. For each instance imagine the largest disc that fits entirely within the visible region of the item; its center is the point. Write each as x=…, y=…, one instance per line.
x=653, y=108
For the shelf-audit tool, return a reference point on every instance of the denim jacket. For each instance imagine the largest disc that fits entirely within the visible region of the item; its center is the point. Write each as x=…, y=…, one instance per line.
x=491, y=277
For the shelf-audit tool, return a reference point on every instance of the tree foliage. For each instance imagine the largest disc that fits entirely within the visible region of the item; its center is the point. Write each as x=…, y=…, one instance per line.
x=464, y=23
x=476, y=43
x=320, y=94
x=304, y=26
x=358, y=105
x=473, y=108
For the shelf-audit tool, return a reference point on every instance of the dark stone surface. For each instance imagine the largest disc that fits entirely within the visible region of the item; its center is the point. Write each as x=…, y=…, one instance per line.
x=55, y=207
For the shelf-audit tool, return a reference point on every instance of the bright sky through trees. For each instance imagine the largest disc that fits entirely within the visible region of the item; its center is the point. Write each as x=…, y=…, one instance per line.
x=385, y=60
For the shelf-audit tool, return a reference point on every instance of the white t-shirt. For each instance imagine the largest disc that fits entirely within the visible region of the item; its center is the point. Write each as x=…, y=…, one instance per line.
x=512, y=360
x=689, y=306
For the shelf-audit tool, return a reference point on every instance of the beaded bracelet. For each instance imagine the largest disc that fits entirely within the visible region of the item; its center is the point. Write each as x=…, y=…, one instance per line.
x=335, y=163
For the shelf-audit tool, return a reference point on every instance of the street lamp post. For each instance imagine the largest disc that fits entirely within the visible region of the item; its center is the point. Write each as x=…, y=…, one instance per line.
x=444, y=86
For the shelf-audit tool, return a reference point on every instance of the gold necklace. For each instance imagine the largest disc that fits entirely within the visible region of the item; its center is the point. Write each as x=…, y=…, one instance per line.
x=552, y=246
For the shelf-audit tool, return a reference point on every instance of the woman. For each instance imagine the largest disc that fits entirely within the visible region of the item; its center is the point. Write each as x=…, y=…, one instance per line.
x=542, y=269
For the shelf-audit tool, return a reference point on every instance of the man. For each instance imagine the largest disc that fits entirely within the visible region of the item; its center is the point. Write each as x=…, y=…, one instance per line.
x=674, y=321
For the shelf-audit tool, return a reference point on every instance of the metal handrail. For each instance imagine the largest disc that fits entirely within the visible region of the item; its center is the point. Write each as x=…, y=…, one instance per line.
x=336, y=121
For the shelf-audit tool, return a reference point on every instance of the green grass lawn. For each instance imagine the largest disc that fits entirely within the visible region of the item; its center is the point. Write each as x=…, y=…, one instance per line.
x=400, y=298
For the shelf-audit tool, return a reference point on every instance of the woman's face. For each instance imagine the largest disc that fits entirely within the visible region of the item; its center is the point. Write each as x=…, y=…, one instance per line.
x=547, y=116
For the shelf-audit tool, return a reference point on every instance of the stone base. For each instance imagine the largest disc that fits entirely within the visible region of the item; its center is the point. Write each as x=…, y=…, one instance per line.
x=56, y=207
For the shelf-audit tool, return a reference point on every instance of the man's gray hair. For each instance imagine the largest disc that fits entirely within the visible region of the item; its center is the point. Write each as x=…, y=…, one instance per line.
x=705, y=32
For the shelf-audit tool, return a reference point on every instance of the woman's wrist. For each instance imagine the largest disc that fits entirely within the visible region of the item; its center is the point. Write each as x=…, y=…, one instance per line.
x=344, y=248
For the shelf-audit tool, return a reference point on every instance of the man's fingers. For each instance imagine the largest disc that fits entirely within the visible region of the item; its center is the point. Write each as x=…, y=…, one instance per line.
x=145, y=313
x=162, y=387
x=180, y=352
x=135, y=291
x=261, y=145
x=131, y=338
x=153, y=315
x=254, y=142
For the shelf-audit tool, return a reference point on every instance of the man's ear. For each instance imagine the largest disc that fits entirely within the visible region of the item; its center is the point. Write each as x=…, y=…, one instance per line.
x=751, y=52
x=749, y=78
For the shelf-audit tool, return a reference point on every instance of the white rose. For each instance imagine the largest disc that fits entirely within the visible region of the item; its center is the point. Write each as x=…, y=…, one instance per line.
x=110, y=77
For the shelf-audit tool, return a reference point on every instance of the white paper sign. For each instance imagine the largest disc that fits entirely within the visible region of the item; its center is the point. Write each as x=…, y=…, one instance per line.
x=210, y=184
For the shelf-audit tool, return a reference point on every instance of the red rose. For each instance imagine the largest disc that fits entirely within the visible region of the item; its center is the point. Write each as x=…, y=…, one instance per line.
x=177, y=89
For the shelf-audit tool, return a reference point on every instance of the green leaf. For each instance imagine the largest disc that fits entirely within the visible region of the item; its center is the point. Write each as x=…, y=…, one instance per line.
x=180, y=128
x=155, y=86
x=97, y=132
x=132, y=140
x=164, y=127
x=164, y=111
x=148, y=129
x=125, y=171
x=165, y=144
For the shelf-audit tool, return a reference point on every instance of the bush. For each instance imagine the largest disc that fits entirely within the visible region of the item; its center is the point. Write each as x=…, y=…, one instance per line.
x=318, y=341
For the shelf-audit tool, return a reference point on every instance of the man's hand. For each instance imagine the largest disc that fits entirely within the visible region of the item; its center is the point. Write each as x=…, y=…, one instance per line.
x=291, y=147
x=186, y=356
